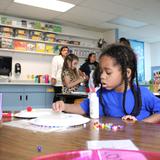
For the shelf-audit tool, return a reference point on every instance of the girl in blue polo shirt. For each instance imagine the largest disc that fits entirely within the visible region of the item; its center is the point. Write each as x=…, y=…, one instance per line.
x=120, y=94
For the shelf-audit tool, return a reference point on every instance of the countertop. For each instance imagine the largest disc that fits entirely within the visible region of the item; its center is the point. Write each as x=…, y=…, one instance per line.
x=23, y=82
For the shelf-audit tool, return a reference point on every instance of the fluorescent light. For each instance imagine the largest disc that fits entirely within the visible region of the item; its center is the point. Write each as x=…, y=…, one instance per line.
x=127, y=22
x=55, y=5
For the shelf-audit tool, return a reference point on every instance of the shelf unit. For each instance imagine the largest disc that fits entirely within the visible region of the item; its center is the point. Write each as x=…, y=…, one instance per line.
x=26, y=52
x=47, y=42
x=46, y=31
x=72, y=46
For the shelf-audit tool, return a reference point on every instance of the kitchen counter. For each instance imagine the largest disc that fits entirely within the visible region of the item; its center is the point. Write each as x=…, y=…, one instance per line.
x=23, y=82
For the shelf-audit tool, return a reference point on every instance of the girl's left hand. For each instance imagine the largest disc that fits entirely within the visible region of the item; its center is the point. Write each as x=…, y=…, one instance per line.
x=129, y=118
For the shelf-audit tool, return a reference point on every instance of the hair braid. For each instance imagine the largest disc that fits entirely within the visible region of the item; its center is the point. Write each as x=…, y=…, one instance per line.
x=101, y=100
x=126, y=58
x=125, y=90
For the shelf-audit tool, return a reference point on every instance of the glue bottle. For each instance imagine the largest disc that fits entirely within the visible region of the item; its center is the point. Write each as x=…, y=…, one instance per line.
x=94, y=105
x=93, y=99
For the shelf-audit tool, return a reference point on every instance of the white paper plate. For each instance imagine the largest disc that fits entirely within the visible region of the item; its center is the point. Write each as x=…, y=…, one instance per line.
x=60, y=120
x=34, y=113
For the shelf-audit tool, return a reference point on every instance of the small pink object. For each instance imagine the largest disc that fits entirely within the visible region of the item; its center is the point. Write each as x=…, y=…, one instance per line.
x=7, y=114
x=87, y=90
x=114, y=128
x=98, y=154
x=46, y=78
x=29, y=109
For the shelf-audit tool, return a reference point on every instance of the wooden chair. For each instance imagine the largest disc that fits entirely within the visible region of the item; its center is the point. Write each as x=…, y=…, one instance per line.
x=78, y=101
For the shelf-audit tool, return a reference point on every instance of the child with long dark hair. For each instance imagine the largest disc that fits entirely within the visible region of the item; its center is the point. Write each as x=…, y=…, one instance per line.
x=120, y=94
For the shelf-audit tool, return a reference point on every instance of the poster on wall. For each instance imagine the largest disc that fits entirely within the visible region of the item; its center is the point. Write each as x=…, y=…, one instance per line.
x=155, y=73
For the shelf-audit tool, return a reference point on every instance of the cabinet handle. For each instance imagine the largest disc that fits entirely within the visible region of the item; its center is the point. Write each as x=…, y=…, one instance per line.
x=20, y=97
x=26, y=98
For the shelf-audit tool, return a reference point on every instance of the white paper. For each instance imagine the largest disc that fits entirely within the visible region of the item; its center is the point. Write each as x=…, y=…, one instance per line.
x=60, y=120
x=112, y=144
x=24, y=124
x=34, y=113
x=49, y=123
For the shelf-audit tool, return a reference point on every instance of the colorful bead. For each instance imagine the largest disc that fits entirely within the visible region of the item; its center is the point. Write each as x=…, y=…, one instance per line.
x=29, y=109
x=107, y=126
x=114, y=128
x=39, y=148
x=102, y=125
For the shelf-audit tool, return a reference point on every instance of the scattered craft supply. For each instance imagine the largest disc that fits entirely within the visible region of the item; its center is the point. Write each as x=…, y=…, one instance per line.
x=29, y=109
x=107, y=126
x=39, y=148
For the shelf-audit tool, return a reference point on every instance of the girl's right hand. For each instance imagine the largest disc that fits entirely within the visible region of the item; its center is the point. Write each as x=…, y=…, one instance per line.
x=58, y=106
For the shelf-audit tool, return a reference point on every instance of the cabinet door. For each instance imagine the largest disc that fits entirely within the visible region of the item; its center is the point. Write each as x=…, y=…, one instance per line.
x=12, y=101
x=35, y=100
x=49, y=99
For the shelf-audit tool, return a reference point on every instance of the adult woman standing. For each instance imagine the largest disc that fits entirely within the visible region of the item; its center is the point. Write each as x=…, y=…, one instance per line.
x=89, y=65
x=124, y=41
x=57, y=64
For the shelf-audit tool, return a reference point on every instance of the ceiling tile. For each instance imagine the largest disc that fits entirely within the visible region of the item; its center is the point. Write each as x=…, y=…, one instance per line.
x=138, y=4
x=76, y=2
x=4, y=4
x=31, y=12
x=94, y=14
x=107, y=6
x=83, y=15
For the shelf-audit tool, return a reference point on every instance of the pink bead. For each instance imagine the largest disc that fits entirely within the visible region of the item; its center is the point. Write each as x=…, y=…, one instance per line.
x=114, y=128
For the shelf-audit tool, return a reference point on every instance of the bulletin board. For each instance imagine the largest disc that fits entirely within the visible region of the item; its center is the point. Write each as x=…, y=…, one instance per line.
x=155, y=70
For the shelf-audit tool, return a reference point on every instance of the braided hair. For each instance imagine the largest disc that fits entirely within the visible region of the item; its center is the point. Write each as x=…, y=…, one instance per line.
x=126, y=58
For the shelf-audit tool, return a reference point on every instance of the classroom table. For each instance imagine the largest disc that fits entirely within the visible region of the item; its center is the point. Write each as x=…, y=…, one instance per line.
x=21, y=144
x=157, y=94
x=71, y=97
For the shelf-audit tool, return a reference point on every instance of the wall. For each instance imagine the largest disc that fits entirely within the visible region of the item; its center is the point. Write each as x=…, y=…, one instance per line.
x=155, y=56
x=110, y=36
x=152, y=57
x=33, y=64
x=81, y=33
x=155, y=52
x=30, y=64
x=41, y=64
x=147, y=61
